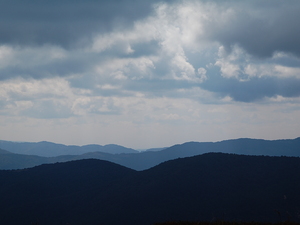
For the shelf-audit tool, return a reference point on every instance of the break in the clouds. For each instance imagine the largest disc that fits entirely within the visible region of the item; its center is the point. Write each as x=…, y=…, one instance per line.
x=149, y=65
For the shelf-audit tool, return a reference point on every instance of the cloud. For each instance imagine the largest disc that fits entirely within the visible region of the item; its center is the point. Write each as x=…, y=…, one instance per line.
x=88, y=57
x=47, y=109
x=260, y=27
x=243, y=78
x=65, y=23
x=255, y=89
x=47, y=98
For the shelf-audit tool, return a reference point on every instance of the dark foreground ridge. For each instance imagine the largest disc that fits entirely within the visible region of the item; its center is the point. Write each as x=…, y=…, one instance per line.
x=225, y=223
x=208, y=187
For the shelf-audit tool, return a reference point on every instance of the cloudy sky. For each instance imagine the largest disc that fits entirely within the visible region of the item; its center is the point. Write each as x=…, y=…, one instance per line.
x=149, y=73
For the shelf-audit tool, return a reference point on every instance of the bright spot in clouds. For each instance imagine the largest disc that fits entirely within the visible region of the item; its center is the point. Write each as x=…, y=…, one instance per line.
x=151, y=74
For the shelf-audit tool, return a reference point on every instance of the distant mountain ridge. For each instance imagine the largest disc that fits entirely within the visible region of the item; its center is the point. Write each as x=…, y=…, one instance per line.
x=147, y=159
x=49, y=149
x=206, y=187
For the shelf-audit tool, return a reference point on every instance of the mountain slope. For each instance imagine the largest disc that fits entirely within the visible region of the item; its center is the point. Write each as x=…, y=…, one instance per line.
x=204, y=187
x=4, y=151
x=10, y=161
x=53, y=193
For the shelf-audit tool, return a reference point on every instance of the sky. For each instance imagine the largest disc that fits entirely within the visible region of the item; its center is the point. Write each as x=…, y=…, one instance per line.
x=150, y=73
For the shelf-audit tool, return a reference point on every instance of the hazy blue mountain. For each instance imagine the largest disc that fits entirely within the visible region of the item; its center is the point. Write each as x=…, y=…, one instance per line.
x=154, y=149
x=49, y=149
x=111, y=148
x=147, y=159
x=246, y=146
x=4, y=151
x=10, y=160
x=201, y=188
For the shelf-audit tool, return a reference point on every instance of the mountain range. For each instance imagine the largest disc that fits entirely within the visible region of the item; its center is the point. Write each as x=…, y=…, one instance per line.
x=49, y=149
x=19, y=155
x=207, y=187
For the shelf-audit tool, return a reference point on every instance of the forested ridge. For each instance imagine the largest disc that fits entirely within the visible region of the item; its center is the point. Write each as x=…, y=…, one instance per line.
x=208, y=187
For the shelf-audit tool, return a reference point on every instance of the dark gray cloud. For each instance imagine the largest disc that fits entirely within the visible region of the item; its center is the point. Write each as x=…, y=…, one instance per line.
x=285, y=60
x=260, y=27
x=255, y=89
x=65, y=22
x=30, y=66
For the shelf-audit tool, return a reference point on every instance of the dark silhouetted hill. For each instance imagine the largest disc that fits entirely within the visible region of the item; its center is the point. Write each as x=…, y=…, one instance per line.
x=201, y=188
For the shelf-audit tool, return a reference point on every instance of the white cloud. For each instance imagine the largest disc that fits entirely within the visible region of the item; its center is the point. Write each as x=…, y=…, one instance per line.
x=36, y=98
x=168, y=28
x=284, y=71
x=31, y=89
x=240, y=65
